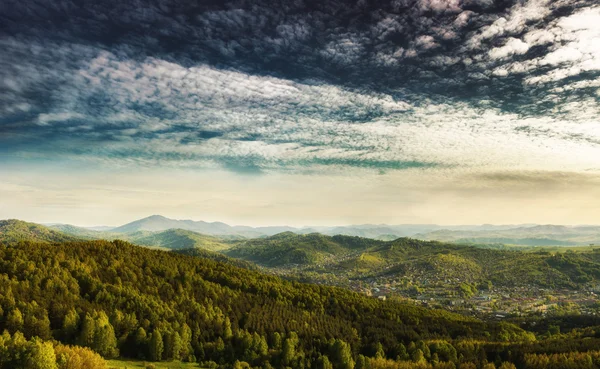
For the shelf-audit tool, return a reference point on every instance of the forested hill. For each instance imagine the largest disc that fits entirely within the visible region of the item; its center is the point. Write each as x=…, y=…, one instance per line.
x=435, y=261
x=291, y=248
x=13, y=231
x=172, y=239
x=355, y=257
x=431, y=261
x=120, y=299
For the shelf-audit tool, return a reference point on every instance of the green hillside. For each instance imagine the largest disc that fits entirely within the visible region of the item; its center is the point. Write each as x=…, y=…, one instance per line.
x=217, y=256
x=14, y=231
x=422, y=261
x=434, y=261
x=133, y=294
x=174, y=239
x=80, y=232
x=305, y=249
x=135, y=303
x=359, y=258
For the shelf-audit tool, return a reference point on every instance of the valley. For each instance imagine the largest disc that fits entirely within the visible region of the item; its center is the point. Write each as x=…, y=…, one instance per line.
x=291, y=300
x=488, y=281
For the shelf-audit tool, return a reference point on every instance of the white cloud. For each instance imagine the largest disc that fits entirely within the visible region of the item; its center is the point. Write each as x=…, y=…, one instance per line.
x=513, y=46
x=426, y=42
x=463, y=18
x=44, y=119
x=158, y=110
x=512, y=23
x=440, y=5
x=278, y=123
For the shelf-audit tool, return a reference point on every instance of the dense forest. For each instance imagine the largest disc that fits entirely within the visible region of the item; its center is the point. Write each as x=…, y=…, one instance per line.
x=363, y=258
x=357, y=258
x=69, y=302
x=122, y=300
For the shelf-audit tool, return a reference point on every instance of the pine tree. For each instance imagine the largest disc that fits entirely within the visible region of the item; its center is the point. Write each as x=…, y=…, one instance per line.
x=260, y=345
x=167, y=338
x=88, y=332
x=141, y=342
x=186, y=342
x=418, y=356
x=70, y=325
x=342, y=355
x=361, y=362
x=288, y=352
x=227, y=333
x=105, y=341
x=276, y=341
x=176, y=346
x=402, y=352
x=14, y=320
x=324, y=363
x=156, y=346
x=379, y=353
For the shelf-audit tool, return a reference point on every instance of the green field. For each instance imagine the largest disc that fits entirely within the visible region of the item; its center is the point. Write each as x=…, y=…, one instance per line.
x=127, y=364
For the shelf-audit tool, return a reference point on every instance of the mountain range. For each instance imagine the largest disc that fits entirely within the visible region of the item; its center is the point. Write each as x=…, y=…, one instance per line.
x=226, y=284
x=521, y=234
x=352, y=257
x=161, y=223
x=539, y=235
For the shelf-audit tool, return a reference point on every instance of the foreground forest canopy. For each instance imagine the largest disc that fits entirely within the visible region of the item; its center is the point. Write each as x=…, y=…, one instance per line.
x=122, y=300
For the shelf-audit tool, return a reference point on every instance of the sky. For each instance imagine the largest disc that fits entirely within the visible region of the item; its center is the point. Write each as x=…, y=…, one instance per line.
x=300, y=112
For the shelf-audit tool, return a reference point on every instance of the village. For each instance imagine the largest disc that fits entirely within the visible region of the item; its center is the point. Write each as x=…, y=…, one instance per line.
x=495, y=303
x=489, y=302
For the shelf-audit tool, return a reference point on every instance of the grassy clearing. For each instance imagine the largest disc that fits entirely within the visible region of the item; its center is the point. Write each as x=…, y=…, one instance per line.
x=131, y=364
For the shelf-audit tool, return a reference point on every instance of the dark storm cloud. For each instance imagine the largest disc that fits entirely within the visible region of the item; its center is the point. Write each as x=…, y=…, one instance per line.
x=372, y=45
x=287, y=80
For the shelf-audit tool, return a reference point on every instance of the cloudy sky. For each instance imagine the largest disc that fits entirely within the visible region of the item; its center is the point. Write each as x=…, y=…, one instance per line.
x=300, y=112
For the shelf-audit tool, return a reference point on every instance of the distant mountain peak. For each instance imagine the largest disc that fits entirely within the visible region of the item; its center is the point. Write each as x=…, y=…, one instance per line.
x=156, y=217
x=161, y=223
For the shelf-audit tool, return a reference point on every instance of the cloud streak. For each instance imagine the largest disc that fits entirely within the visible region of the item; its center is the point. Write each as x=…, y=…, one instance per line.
x=243, y=86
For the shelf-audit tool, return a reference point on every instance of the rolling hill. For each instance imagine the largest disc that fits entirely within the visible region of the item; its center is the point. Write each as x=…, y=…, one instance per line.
x=154, y=305
x=438, y=262
x=356, y=257
x=421, y=261
x=80, y=232
x=542, y=235
x=210, y=311
x=304, y=249
x=14, y=231
x=174, y=239
x=157, y=223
